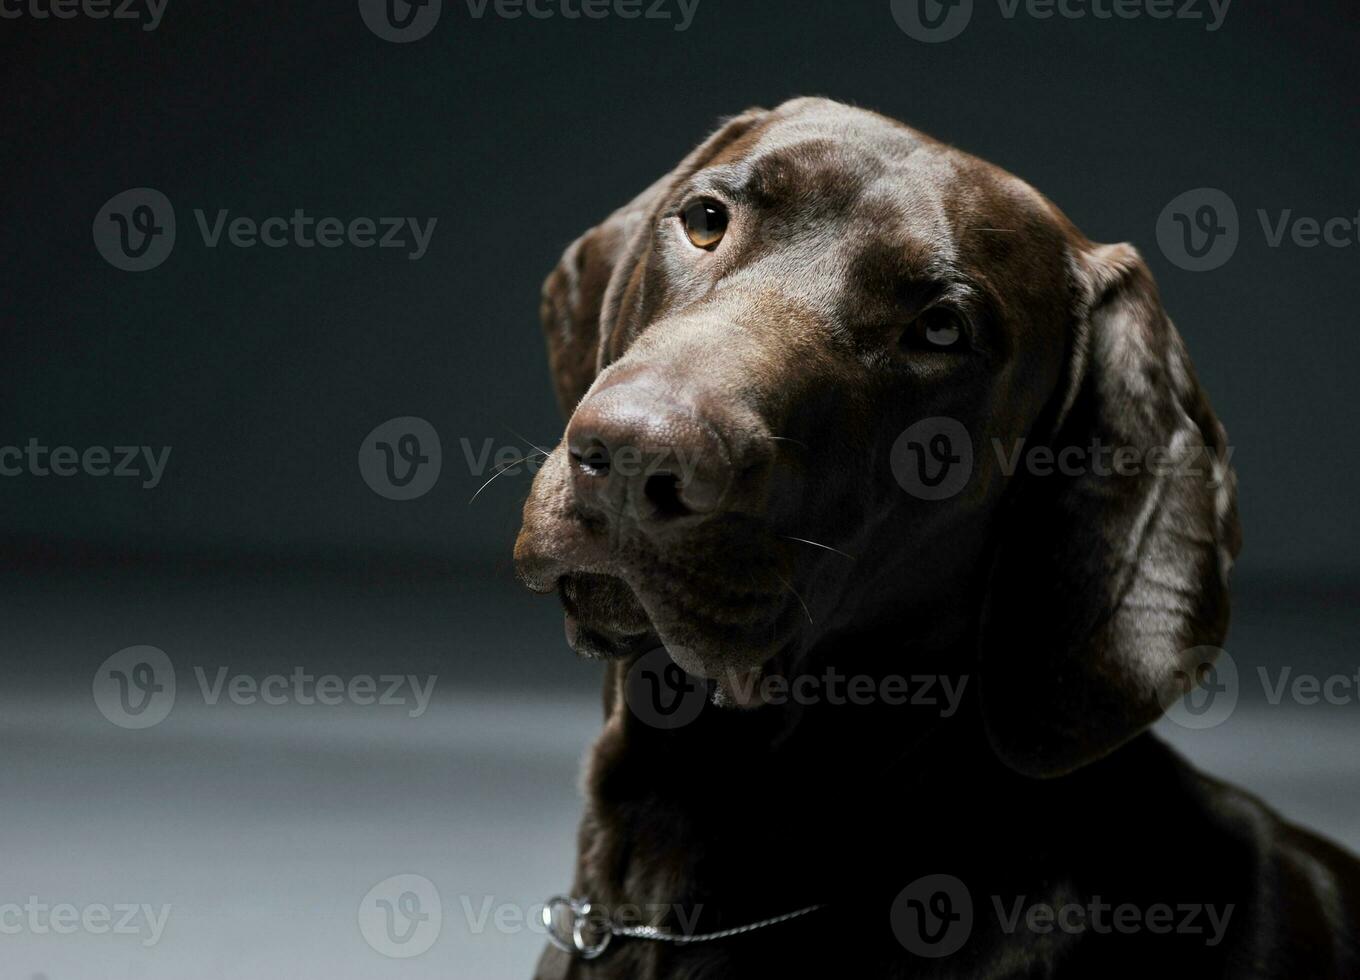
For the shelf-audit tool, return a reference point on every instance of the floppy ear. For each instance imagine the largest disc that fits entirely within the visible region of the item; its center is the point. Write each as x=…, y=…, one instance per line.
x=598, y=279
x=1106, y=578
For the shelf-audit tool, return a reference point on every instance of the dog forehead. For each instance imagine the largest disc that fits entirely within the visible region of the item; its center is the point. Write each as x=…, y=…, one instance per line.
x=825, y=150
x=832, y=163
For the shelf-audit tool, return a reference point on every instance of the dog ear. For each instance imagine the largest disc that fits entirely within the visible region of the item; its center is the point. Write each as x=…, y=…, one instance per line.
x=599, y=275
x=1110, y=574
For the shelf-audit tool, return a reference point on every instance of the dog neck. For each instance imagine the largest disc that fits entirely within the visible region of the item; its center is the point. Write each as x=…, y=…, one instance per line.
x=697, y=816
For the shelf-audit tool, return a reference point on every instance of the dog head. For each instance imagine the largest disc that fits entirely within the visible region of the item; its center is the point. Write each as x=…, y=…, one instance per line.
x=807, y=374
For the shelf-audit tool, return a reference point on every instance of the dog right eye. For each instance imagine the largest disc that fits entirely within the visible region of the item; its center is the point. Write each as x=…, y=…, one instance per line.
x=936, y=329
x=705, y=223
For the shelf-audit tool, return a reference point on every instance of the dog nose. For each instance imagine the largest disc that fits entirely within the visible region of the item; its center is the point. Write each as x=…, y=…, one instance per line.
x=639, y=457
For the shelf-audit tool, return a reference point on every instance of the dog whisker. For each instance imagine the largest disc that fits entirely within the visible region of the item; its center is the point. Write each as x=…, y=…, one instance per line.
x=818, y=544
x=806, y=611
x=528, y=442
x=796, y=442
x=503, y=470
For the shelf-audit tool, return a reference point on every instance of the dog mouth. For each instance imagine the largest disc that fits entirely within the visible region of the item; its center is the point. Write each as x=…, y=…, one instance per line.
x=602, y=616
x=730, y=629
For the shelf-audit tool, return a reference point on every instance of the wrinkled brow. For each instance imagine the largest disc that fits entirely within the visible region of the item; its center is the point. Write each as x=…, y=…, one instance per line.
x=820, y=175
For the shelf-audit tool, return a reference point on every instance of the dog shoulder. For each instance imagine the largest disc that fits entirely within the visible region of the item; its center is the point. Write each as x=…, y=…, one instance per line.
x=1302, y=917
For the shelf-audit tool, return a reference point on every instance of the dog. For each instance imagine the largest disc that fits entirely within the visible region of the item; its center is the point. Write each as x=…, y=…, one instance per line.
x=808, y=376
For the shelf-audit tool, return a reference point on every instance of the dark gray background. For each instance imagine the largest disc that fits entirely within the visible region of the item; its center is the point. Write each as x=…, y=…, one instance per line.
x=264, y=369
x=263, y=549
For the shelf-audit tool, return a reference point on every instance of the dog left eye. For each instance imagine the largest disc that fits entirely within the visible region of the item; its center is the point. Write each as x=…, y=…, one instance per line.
x=934, y=330
x=705, y=223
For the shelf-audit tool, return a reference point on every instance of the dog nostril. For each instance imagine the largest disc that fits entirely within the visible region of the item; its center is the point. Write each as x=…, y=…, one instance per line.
x=594, y=459
x=663, y=491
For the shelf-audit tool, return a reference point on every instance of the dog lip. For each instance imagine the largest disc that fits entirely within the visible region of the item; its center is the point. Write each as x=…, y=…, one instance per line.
x=604, y=606
x=540, y=569
x=585, y=641
x=599, y=645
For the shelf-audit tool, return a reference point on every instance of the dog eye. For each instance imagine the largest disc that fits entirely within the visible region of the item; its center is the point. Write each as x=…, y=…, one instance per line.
x=705, y=223
x=936, y=329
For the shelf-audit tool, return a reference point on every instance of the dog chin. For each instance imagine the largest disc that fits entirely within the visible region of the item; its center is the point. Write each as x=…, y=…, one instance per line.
x=735, y=663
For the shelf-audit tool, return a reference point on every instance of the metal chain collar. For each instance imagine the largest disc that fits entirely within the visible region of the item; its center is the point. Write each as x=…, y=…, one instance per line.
x=580, y=943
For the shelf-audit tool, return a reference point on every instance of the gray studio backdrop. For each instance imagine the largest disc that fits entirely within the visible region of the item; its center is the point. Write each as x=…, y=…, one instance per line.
x=264, y=368
x=240, y=240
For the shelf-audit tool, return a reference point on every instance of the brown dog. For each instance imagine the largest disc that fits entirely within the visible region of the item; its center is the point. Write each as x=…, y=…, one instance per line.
x=806, y=373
